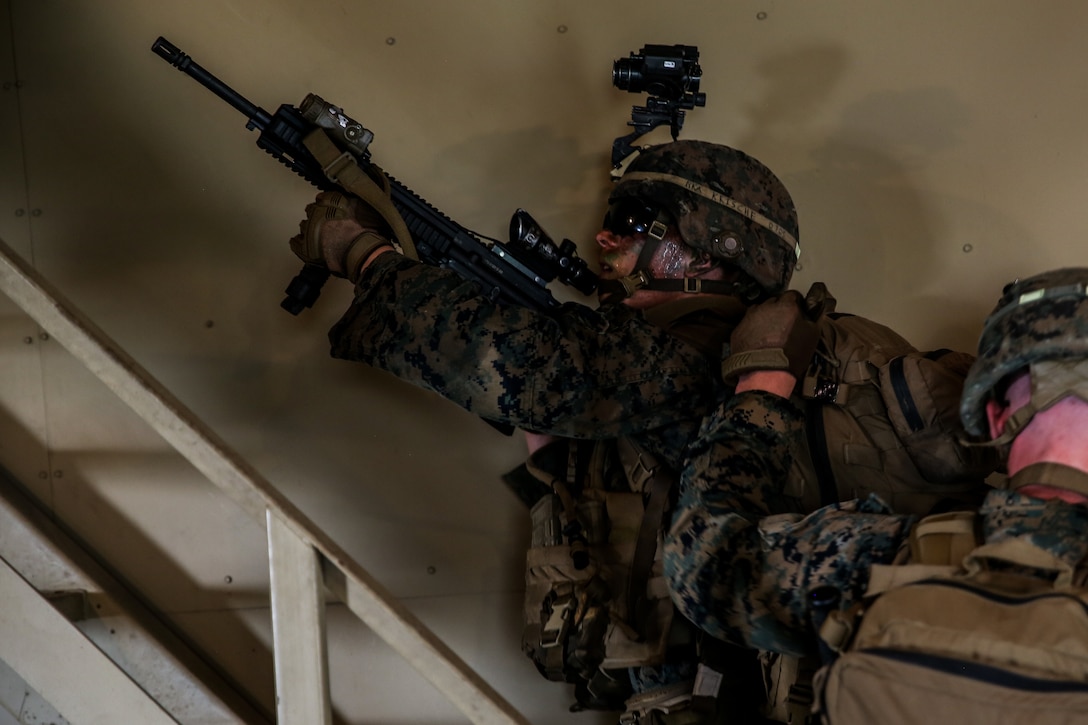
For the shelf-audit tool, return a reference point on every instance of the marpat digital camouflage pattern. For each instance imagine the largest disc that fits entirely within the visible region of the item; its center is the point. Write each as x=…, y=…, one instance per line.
x=576, y=373
x=1044, y=317
x=739, y=571
x=745, y=575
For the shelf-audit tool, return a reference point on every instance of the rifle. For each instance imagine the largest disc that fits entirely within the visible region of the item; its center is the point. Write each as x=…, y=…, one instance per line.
x=517, y=272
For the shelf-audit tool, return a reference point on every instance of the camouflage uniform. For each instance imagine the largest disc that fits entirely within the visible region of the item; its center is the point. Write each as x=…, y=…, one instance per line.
x=740, y=571
x=745, y=575
x=576, y=373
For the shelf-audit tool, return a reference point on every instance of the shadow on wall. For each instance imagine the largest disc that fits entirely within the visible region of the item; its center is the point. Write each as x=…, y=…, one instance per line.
x=889, y=239
x=521, y=168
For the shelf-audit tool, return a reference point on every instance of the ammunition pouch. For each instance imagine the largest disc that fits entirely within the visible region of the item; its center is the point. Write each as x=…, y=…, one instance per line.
x=578, y=622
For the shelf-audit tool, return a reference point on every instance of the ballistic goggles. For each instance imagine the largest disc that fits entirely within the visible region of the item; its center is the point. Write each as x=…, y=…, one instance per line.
x=630, y=216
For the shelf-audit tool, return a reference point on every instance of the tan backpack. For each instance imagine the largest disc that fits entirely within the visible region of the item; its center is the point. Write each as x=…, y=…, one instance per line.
x=986, y=644
x=883, y=417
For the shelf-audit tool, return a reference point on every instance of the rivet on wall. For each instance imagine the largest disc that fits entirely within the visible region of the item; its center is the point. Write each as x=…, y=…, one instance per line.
x=390, y=40
x=761, y=15
x=967, y=248
x=561, y=29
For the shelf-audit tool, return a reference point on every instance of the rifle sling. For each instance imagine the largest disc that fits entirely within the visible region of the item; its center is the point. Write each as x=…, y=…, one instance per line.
x=344, y=171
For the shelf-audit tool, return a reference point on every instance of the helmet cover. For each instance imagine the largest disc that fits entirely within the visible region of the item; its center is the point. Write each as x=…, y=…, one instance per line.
x=1038, y=319
x=724, y=202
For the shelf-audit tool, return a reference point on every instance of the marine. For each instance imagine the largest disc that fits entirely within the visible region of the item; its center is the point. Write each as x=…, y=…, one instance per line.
x=749, y=576
x=695, y=233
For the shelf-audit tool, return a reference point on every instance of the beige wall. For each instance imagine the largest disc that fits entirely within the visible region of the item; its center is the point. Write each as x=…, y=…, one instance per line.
x=935, y=150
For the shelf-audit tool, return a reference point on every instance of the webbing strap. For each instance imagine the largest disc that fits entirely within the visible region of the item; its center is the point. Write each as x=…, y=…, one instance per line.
x=903, y=395
x=883, y=577
x=901, y=388
x=817, y=448
x=627, y=286
x=694, y=285
x=343, y=170
x=767, y=358
x=944, y=539
x=1050, y=474
x=646, y=548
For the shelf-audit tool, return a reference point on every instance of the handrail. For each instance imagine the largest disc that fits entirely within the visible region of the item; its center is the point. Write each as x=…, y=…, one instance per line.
x=180, y=427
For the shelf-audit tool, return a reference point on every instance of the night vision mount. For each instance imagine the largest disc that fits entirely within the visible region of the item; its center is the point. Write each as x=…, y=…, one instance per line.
x=670, y=74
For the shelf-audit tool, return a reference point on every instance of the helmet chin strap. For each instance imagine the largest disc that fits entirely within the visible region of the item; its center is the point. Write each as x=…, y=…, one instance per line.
x=617, y=290
x=1051, y=382
x=640, y=278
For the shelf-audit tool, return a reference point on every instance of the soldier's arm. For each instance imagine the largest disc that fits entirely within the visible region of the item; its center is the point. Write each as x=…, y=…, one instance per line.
x=574, y=372
x=743, y=575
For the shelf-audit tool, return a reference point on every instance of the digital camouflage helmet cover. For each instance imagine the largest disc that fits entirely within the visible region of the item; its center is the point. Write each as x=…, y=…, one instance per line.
x=1040, y=323
x=723, y=202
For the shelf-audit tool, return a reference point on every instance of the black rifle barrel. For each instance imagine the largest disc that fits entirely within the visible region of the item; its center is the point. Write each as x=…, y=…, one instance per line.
x=173, y=55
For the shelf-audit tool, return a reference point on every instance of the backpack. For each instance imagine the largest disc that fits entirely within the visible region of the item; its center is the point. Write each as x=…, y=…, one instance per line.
x=1004, y=638
x=882, y=417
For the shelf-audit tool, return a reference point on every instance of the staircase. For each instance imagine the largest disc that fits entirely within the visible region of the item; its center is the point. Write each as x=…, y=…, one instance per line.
x=84, y=643
x=61, y=610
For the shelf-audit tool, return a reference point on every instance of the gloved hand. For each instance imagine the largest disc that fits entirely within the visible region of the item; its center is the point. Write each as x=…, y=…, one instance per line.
x=339, y=232
x=774, y=335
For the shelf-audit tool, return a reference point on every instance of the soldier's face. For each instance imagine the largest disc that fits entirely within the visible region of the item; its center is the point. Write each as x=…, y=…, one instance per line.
x=617, y=254
x=628, y=225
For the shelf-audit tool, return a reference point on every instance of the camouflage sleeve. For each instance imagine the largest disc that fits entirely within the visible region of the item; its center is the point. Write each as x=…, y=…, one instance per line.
x=575, y=372
x=743, y=575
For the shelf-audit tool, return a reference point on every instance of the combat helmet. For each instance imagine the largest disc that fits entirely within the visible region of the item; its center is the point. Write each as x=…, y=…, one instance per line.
x=724, y=202
x=1040, y=323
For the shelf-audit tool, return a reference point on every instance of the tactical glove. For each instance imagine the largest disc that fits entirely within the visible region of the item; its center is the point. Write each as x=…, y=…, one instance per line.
x=774, y=335
x=340, y=232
